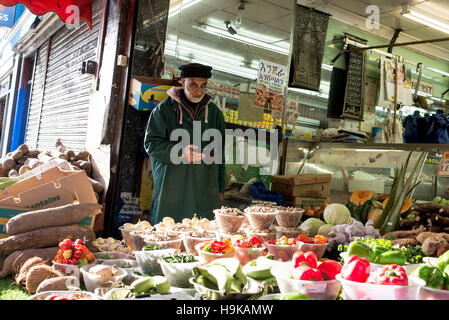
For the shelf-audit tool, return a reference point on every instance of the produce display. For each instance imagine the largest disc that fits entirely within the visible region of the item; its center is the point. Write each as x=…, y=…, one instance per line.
x=74, y=252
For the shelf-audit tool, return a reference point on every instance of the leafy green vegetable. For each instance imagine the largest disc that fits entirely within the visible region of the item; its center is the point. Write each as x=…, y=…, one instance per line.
x=150, y=247
x=180, y=258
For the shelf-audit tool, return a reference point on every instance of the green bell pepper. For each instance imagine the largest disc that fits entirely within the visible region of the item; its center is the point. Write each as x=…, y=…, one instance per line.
x=443, y=261
x=378, y=249
x=432, y=275
x=446, y=277
x=391, y=257
x=361, y=250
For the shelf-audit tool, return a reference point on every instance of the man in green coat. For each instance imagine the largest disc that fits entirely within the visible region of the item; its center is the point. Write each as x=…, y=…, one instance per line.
x=185, y=180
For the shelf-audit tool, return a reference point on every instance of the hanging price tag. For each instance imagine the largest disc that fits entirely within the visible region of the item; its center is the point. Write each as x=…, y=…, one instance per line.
x=443, y=169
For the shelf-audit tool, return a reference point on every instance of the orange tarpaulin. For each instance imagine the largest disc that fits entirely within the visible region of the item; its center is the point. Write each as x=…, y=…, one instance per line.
x=63, y=8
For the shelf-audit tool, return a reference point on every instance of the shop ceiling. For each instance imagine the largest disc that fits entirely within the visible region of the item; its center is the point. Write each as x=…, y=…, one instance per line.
x=272, y=20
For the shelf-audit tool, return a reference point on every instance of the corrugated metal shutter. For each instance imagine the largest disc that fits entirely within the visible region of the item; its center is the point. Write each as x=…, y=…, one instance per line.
x=65, y=106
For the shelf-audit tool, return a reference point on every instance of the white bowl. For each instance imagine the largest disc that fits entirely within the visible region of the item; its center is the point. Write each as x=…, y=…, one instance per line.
x=178, y=274
x=103, y=256
x=147, y=260
x=318, y=248
x=133, y=264
x=206, y=257
x=93, y=281
x=368, y=291
x=427, y=293
x=316, y=290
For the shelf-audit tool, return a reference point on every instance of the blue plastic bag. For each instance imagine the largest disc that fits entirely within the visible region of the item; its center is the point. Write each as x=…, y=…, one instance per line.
x=258, y=191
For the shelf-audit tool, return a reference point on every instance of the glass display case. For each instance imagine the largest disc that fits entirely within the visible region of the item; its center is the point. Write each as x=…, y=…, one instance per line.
x=363, y=166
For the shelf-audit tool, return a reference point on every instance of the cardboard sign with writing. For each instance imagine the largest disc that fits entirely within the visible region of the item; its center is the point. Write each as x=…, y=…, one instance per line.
x=443, y=169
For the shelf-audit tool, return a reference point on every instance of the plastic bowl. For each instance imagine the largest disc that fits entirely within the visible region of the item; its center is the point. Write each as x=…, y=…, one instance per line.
x=260, y=220
x=70, y=269
x=206, y=257
x=131, y=265
x=141, y=240
x=245, y=255
x=282, y=252
x=127, y=237
x=222, y=235
x=289, y=218
x=316, y=290
x=318, y=249
x=266, y=236
x=191, y=242
x=178, y=274
x=101, y=257
x=147, y=260
x=86, y=295
x=93, y=281
x=369, y=291
x=289, y=233
x=228, y=223
x=427, y=293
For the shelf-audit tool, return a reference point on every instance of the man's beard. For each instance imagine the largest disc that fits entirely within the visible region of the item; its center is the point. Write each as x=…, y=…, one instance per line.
x=193, y=99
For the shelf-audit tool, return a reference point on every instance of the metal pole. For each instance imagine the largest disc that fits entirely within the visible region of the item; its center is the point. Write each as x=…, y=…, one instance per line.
x=399, y=44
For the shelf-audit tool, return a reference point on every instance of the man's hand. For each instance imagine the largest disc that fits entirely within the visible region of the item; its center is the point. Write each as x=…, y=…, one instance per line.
x=192, y=156
x=221, y=198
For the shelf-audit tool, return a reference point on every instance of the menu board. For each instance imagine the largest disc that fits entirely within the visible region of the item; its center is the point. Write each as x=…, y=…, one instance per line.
x=353, y=105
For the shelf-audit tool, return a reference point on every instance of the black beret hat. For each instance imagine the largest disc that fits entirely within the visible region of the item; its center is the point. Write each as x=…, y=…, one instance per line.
x=195, y=70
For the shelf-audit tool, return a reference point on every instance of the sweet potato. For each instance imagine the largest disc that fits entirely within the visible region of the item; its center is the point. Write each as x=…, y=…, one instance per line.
x=424, y=235
x=83, y=155
x=431, y=245
x=23, y=148
x=46, y=237
x=51, y=217
x=403, y=234
x=442, y=249
x=33, y=153
x=23, y=272
x=404, y=242
x=15, y=260
x=8, y=164
x=71, y=155
x=60, y=283
x=17, y=154
x=37, y=274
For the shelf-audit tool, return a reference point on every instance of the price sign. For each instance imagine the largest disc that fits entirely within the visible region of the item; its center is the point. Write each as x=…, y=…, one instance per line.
x=443, y=169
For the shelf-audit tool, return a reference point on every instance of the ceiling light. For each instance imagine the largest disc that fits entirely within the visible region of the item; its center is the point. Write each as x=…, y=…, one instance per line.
x=425, y=20
x=183, y=5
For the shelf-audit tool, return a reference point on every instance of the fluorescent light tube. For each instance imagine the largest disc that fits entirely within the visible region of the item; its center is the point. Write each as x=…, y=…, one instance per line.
x=425, y=20
x=183, y=5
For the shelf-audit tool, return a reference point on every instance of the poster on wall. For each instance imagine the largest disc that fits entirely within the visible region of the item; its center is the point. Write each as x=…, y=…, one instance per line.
x=271, y=82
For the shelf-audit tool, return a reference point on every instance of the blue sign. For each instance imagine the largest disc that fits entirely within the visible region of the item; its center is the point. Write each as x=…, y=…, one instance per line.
x=6, y=16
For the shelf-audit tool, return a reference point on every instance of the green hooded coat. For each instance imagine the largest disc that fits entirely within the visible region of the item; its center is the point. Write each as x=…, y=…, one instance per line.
x=181, y=190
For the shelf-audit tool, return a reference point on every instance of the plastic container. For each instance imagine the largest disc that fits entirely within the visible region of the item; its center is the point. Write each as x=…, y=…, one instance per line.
x=427, y=293
x=245, y=255
x=178, y=274
x=70, y=269
x=127, y=238
x=260, y=220
x=126, y=264
x=191, y=242
x=85, y=294
x=228, y=223
x=265, y=236
x=206, y=257
x=282, y=252
x=316, y=290
x=369, y=291
x=222, y=235
x=289, y=218
x=93, y=281
x=318, y=249
x=147, y=260
x=288, y=232
x=113, y=256
x=141, y=240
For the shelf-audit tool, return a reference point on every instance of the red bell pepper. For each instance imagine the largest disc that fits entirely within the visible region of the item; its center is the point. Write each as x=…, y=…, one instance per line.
x=356, y=269
x=217, y=246
x=255, y=242
x=392, y=274
x=304, y=272
x=329, y=269
x=309, y=258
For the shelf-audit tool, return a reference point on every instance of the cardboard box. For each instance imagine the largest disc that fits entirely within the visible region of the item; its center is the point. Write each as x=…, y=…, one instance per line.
x=305, y=201
x=318, y=190
x=299, y=179
x=52, y=188
x=147, y=92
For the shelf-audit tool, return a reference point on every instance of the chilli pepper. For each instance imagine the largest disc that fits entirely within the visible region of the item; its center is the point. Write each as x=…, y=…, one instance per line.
x=329, y=269
x=391, y=257
x=309, y=258
x=392, y=274
x=356, y=269
x=304, y=272
x=431, y=275
x=360, y=249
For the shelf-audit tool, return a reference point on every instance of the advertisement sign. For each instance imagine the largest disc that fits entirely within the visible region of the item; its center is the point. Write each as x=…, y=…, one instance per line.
x=271, y=81
x=7, y=16
x=443, y=169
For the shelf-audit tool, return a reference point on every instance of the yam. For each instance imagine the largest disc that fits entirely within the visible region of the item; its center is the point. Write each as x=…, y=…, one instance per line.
x=51, y=217
x=58, y=284
x=46, y=237
x=37, y=274
x=30, y=162
x=83, y=155
x=33, y=153
x=71, y=155
x=431, y=244
x=24, y=169
x=23, y=148
x=13, y=173
x=442, y=249
x=23, y=272
x=403, y=234
x=424, y=235
x=8, y=164
x=98, y=187
x=405, y=242
x=22, y=160
x=17, y=154
x=15, y=260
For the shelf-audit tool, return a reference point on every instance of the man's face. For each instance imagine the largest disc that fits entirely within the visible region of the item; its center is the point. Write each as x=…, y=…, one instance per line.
x=194, y=88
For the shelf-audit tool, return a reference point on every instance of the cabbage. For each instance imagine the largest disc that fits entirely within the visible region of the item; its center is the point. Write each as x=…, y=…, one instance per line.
x=325, y=229
x=311, y=226
x=336, y=213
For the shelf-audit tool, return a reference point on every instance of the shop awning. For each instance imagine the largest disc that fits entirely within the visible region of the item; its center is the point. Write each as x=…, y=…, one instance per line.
x=60, y=7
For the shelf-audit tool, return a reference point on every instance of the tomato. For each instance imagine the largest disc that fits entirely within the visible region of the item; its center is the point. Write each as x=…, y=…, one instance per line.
x=319, y=239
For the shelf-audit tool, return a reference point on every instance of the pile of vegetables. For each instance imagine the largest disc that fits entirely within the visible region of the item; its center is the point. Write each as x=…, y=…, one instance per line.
x=180, y=258
x=360, y=204
x=345, y=233
x=434, y=217
x=334, y=214
x=220, y=247
x=74, y=252
x=306, y=267
x=437, y=276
